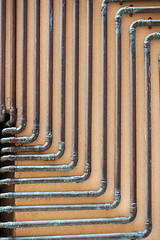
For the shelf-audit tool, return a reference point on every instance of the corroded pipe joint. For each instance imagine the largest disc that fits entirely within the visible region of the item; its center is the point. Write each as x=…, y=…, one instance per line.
x=48, y=140
x=134, y=25
x=133, y=212
x=117, y=194
x=113, y=205
x=133, y=208
x=148, y=224
x=120, y=12
x=103, y=184
x=87, y=171
x=147, y=45
x=148, y=228
x=35, y=130
x=74, y=157
x=104, y=8
x=118, y=18
x=132, y=31
x=61, y=146
x=102, y=189
x=61, y=149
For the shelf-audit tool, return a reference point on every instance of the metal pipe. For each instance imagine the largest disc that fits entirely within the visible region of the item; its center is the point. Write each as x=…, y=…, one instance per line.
x=39, y=148
x=13, y=110
x=49, y=89
x=35, y=131
x=117, y=235
x=2, y=59
x=133, y=110
x=23, y=120
x=87, y=170
x=148, y=165
x=74, y=157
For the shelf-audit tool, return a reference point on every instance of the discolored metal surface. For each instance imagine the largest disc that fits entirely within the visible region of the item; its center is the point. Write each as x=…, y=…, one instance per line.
x=19, y=164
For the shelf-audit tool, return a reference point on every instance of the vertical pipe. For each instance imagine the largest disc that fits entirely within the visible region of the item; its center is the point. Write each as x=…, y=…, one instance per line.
x=62, y=73
x=23, y=119
x=104, y=90
x=117, y=172
x=35, y=131
x=75, y=78
x=133, y=155
x=2, y=59
x=37, y=67
x=49, y=70
x=88, y=128
x=13, y=111
x=148, y=194
x=24, y=66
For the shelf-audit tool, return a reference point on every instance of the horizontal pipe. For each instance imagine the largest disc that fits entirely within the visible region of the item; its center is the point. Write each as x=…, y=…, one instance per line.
x=74, y=157
x=148, y=215
x=112, y=235
x=39, y=148
x=87, y=169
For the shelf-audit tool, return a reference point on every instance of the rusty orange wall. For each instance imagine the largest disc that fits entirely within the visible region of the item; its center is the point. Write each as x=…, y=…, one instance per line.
x=94, y=181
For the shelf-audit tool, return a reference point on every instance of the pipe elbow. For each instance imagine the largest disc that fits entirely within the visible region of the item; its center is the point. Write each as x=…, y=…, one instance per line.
x=47, y=144
x=102, y=188
x=119, y=14
x=74, y=160
x=61, y=149
x=87, y=172
x=133, y=212
x=148, y=229
x=15, y=130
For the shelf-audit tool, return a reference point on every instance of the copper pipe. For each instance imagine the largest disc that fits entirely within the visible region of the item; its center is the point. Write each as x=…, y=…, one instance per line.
x=38, y=148
x=2, y=59
x=115, y=235
x=148, y=206
x=12, y=120
x=49, y=88
x=87, y=169
x=74, y=157
x=117, y=188
x=13, y=110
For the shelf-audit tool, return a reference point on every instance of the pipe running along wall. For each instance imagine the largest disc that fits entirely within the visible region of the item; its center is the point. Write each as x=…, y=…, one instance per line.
x=148, y=165
x=133, y=114
x=23, y=120
x=79, y=237
x=2, y=59
x=12, y=120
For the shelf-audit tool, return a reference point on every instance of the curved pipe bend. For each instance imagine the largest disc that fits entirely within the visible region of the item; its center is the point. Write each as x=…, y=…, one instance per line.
x=29, y=139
